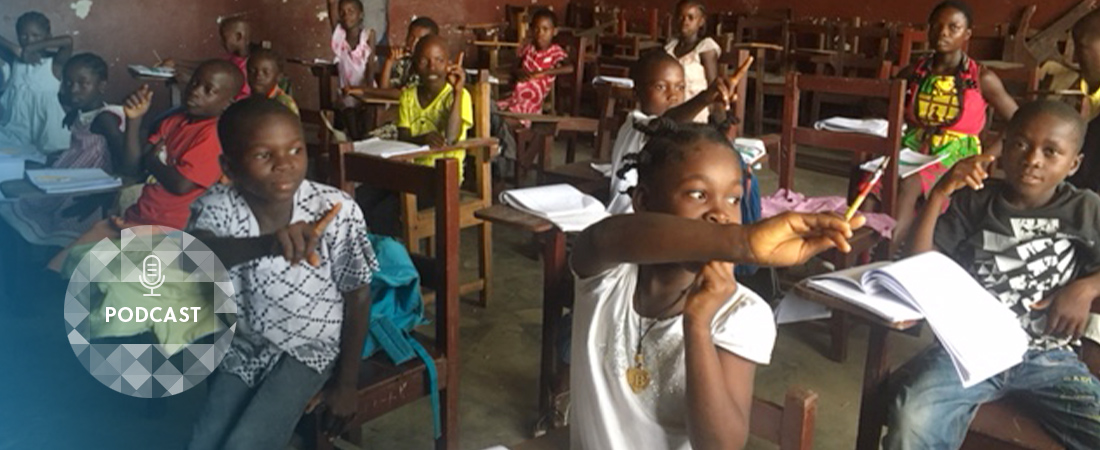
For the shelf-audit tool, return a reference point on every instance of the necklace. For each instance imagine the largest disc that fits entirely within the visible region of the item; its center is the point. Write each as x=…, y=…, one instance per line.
x=637, y=376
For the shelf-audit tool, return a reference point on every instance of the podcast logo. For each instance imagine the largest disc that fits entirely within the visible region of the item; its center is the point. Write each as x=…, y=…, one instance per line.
x=150, y=314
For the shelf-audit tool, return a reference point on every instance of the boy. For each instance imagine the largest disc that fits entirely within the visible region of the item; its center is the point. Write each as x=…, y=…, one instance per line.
x=298, y=250
x=659, y=87
x=1034, y=242
x=236, y=35
x=398, y=70
x=181, y=156
x=438, y=110
x=265, y=68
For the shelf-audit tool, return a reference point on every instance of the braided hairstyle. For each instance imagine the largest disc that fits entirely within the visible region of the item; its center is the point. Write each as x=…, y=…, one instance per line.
x=668, y=141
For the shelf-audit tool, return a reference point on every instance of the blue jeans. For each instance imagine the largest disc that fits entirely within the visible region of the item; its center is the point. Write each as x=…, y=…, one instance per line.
x=237, y=417
x=933, y=411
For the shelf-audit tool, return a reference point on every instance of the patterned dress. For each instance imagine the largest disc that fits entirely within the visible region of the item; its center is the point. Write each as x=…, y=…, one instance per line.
x=41, y=220
x=351, y=63
x=528, y=95
x=945, y=113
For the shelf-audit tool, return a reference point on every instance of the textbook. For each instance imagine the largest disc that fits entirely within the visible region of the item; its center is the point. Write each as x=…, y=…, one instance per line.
x=386, y=148
x=909, y=162
x=70, y=181
x=982, y=335
x=562, y=204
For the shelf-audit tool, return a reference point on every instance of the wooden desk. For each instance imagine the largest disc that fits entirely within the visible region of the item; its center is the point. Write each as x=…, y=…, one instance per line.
x=324, y=71
x=17, y=189
x=556, y=289
x=872, y=406
x=582, y=176
x=544, y=128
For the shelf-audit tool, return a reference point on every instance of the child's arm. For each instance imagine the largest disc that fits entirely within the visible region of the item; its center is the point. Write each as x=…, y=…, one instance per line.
x=457, y=78
x=9, y=51
x=993, y=90
x=1070, y=306
x=783, y=240
x=333, y=13
x=719, y=383
x=108, y=126
x=433, y=139
x=135, y=107
x=166, y=175
x=396, y=53
x=296, y=242
x=709, y=59
x=968, y=172
x=340, y=393
x=720, y=90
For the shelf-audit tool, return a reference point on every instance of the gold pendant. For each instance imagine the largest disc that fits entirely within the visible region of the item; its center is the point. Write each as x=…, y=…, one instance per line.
x=637, y=377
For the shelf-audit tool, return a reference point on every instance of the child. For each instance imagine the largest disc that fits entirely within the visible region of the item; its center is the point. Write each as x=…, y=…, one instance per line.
x=236, y=34
x=698, y=54
x=181, y=156
x=351, y=44
x=1034, y=242
x=265, y=69
x=299, y=324
x=398, y=71
x=540, y=62
x=659, y=87
x=947, y=97
x=29, y=111
x=438, y=110
x=97, y=142
x=665, y=342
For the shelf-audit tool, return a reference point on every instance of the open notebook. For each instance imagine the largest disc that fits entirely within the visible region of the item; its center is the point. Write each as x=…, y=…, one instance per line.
x=69, y=181
x=562, y=204
x=909, y=162
x=982, y=336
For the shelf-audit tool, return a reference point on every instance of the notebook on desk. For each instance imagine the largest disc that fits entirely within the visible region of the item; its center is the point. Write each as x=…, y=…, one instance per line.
x=386, y=148
x=71, y=181
x=564, y=205
x=933, y=287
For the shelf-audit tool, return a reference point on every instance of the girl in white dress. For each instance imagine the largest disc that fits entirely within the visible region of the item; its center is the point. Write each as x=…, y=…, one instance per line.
x=665, y=342
x=30, y=113
x=696, y=52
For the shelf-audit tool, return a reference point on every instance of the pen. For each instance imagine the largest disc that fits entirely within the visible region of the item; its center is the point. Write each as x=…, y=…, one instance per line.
x=866, y=189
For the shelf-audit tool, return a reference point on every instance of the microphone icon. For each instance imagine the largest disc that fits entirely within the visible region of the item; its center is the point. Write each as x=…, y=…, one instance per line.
x=151, y=270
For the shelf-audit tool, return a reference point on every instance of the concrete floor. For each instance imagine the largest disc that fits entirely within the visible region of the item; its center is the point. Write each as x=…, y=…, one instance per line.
x=50, y=402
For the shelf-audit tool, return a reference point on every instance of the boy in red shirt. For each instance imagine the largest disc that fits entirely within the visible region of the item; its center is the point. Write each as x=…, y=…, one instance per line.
x=181, y=156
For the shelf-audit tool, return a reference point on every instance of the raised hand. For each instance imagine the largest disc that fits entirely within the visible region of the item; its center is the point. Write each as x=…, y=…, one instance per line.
x=299, y=240
x=456, y=75
x=137, y=104
x=968, y=172
x=793, y=238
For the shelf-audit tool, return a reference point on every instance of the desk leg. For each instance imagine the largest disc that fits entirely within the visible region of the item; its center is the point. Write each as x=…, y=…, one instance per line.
x=553, y=299
x=872, y=408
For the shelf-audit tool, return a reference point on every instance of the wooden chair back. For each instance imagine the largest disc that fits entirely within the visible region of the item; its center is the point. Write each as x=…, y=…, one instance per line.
x=912, y=44
x=728, y=63
x=319, y=141
x=859, y=146
x=382, y=386
x=569, y=87
x=613, y=103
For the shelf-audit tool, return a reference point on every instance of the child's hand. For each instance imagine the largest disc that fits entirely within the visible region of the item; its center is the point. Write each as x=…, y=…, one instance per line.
x=712, y=287
x=167, y=63
x=299, y=240
x=721, y=92
x=968, y=172
x=30, y=57
x=397, y=53
x=456, y=75
x=1069, y=308
x=793, y=238
x=137, y=104
x=435, y=140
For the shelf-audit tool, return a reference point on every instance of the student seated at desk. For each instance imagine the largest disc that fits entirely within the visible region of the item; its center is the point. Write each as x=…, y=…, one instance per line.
x=1034, y=242
x=659, y=87
x=181, y=156
x=665, y=341
x=398, y=71
x=541, y=60
x=304, y=270
x=438, y=110
x=97, y=142
x=265, y=69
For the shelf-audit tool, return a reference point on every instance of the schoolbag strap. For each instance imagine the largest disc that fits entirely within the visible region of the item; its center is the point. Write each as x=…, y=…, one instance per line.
x=433, y=384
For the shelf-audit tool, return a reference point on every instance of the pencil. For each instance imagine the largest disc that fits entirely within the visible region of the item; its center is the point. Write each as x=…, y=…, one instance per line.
x=863, y=193
x=158, y=56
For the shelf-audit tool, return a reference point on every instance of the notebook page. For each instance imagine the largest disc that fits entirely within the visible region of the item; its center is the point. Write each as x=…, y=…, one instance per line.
x=569, y=208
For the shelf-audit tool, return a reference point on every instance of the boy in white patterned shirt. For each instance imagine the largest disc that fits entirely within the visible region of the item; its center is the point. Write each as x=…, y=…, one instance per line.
x=302, y=278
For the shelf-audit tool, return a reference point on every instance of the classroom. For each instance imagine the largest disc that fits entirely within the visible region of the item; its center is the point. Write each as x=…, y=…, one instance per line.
x=549, y=225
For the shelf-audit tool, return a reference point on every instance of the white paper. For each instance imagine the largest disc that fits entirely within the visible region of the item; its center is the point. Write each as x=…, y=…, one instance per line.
x=909, y=162
x=564, y=205
x=617, y=81
x=874, y=127
x=793, y=308
x=385, y=148
x=155, y=72
x=752, y=150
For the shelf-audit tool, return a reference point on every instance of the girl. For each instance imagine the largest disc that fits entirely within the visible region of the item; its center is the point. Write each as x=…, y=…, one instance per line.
x=541, y=60
x=97, y=142
x=351, y=45
x=665, y=342
x=29, y=111
x=945, y=105
x=698, y=54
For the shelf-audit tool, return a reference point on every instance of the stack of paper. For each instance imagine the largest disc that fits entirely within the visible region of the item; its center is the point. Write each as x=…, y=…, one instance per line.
x=951, y=304
x=68, y=181
x=909, y=162
x=617, y=81
x=385, y=148
x=875, y=127
x=562, y=204
x=155, y=72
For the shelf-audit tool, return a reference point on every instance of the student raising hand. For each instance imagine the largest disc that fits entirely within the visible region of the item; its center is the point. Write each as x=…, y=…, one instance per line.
x=791, y=238
x=456, y=76
x=299, y=240
x=137, y=104
x=968, y=172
